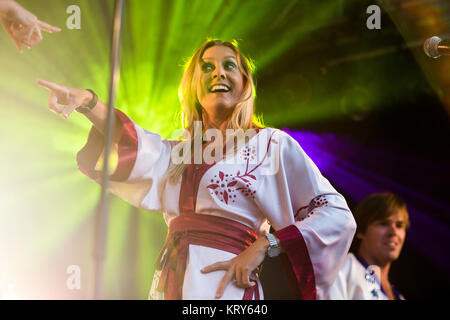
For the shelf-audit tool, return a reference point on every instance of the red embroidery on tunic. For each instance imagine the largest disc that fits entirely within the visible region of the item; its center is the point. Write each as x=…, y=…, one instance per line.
x=298, y=216
x=319, y=201
x=224, y=186
x=248, y=153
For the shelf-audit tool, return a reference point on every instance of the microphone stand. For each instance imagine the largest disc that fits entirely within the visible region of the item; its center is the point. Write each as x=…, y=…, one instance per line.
x=445, y=50
x=101, y=226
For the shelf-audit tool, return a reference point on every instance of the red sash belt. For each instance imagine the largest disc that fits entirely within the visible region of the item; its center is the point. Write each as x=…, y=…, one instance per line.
x=204, y=230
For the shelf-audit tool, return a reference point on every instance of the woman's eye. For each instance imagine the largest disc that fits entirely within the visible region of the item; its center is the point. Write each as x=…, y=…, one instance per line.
x=207, y=67
x=229, y=65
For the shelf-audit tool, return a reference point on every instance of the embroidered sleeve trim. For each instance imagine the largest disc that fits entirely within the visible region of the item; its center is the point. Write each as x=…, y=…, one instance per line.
x=297, y=263
x=127, y=151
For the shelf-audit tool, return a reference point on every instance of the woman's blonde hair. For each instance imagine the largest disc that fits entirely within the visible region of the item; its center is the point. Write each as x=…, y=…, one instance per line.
x=243, y=114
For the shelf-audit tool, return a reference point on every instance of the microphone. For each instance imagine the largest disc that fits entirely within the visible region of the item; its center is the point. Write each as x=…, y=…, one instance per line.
x=434, y=47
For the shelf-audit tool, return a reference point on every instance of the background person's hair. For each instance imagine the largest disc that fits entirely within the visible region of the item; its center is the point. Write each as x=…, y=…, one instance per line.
x=243, y=114
x=376, y=207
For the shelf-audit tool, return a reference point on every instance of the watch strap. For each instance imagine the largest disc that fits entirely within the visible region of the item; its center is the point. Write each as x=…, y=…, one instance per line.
x=274, y=248
x=272, y=240
x=90, y=105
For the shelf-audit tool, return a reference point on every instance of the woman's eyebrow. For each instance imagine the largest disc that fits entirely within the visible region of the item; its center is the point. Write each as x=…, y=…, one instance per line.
x=211, y=58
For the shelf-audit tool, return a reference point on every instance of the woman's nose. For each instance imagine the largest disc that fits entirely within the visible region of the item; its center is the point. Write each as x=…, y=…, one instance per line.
x=219, y=73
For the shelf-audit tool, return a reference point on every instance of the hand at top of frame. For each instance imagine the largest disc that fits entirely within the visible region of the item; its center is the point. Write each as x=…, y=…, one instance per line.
x=64, y=100
x=22, y=26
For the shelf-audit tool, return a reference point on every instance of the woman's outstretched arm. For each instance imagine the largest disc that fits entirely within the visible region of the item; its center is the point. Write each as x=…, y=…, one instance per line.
x=139, y=158
x=64, y=100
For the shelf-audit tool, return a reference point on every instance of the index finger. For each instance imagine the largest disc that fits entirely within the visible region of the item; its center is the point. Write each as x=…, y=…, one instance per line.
x=224, y=282
x=221, y=265
x=50, y=85
x=46, y=27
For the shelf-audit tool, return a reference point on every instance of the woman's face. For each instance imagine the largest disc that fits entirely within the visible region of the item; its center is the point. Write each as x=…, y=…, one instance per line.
x=383, y=240
x=221, y=81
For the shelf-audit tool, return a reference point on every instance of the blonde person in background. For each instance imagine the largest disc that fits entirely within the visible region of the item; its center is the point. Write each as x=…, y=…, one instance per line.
x=382, y=220
x=22, y=27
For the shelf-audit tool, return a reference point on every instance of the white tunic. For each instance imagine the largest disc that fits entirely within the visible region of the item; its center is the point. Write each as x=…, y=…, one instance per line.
x=271, y=180
x=357, y=282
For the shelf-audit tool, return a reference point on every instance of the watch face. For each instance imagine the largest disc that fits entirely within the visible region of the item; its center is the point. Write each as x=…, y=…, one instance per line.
x=273, y=252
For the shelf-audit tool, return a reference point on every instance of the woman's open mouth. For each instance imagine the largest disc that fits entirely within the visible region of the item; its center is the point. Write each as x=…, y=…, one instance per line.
x=219, y=88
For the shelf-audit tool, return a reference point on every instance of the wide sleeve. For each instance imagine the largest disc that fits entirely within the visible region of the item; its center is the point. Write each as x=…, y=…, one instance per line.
x=311, y=219
x=339, y=289
x=140, y=160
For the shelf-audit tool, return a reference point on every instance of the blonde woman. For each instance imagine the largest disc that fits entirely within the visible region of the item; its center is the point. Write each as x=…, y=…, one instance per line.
x=219, y=197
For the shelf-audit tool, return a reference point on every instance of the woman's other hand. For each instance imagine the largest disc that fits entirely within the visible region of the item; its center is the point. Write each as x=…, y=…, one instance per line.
x=240, y=267
x=23, y=27
x=64, y=100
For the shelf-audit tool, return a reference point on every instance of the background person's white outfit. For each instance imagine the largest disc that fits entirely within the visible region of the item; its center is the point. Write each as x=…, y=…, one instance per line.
x=355, y=282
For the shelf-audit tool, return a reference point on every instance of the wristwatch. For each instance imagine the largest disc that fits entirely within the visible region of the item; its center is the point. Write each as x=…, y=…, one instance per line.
x=274, y=249
x=85, y=108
